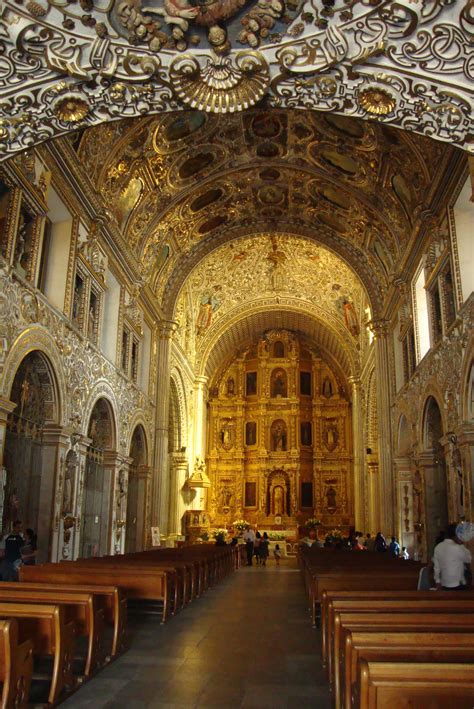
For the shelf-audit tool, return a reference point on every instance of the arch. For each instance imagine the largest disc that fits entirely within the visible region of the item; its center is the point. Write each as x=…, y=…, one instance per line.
x=103, y=390
x=37, y=340
x=29, y=463
x=139, y=446
x=137, y=491
x=433, y=425
x=403, y=438
x=138, y=421
x=178, y=412
x=101, y=425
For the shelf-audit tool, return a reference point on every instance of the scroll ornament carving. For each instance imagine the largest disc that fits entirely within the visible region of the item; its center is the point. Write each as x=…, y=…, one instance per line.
x=68, y=65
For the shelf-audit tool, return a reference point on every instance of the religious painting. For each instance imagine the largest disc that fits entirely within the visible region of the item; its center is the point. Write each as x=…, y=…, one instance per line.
x=212, y=223
x=128, y=200
x=205, y=199
x=330, y=434
x=268, y=150
x=266, y=125
x=185, y=125
x=305, y=383
x=230, y=386
x=251, y=383
x=192, y=166
x=225, y=498
x=279, y=383
x=402, y=190
x=250, y=494
x=307, y=494
x=93, y=317
x=278, y=436
x=24, y=243
x=306, y=433
x=77, y=301
x=251, y=433
x=340, y=161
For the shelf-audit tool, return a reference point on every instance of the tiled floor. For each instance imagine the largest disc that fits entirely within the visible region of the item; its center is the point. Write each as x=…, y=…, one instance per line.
x=247, y=643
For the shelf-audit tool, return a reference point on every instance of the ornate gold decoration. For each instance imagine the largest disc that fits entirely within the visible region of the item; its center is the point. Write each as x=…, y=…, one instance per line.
x=199, y=476
x=377, y=101
x=221, y=86
x=71, y=108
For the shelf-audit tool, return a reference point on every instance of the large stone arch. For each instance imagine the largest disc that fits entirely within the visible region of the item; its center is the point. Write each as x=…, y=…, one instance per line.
x=37, y=340
x=102, y=390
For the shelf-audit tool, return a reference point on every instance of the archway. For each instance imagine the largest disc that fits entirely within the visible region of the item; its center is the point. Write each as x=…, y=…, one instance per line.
x=29, y=473
x=98, y=481
x=137, y=492
x=434, y=464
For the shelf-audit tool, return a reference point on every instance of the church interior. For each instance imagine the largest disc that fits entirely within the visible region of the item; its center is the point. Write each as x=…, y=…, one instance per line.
x=236, y=291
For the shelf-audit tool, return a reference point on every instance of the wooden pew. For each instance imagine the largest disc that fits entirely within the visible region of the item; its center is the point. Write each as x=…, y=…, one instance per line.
x=51, y=635
x=327, y=605
x=390, y=622
x=146, y=583
x=401, y=646
x=387, y=685
x=16, y=666
x=81, y=608
x=110, y=598
x=420, y=603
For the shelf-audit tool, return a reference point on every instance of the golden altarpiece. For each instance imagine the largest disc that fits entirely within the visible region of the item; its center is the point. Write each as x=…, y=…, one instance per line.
x=280, y=439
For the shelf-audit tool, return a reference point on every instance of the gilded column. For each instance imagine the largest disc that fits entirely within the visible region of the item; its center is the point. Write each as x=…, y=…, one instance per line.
x=160, y=485
x=382, y=371
x=358, y=452
x=200, y=427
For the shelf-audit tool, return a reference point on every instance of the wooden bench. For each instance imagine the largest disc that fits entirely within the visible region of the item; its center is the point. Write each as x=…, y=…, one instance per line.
x=327, y=605
x=51, y=635
x=390, y=622
x=110, y=598
x=16, y=666
x=387, y=685
x=443, y=646
x=81, y=608
x=143, y=583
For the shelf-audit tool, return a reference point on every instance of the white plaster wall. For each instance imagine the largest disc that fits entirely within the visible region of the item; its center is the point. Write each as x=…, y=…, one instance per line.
x=464, y=220
x=111, y=314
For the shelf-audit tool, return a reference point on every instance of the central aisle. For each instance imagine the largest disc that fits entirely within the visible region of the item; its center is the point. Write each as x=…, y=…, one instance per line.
x=246, y=643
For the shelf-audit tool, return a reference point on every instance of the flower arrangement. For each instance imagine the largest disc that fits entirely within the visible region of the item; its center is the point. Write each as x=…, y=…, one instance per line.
x=240, y=525
x=219, y=533
x=334, y=536
x=276, y=536
x=313, y=523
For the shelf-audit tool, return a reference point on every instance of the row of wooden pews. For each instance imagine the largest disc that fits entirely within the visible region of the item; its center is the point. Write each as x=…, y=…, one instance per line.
x=57, y=610
x=385, y=644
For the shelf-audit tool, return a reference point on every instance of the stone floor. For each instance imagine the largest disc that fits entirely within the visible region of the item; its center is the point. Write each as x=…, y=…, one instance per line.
x=247, y=643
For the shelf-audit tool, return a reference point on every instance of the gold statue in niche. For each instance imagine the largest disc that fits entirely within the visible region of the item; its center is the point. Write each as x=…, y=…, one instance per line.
x=278, y=436
x=278, y=500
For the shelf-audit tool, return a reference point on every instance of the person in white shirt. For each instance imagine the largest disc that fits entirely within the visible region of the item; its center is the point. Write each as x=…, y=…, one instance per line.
x=450, y=558
x=249, y=539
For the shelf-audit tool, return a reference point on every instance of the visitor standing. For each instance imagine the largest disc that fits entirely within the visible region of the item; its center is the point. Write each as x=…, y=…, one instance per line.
x=277, y=554
x=249, y=539
x=10, y=550
x=394, y=547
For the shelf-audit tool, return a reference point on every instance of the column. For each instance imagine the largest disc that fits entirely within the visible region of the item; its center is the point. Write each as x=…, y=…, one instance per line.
x=56, y=442
x=200, y=417
x=160, y=489
x=382, y=370
x=179, y=471
x=358, y=453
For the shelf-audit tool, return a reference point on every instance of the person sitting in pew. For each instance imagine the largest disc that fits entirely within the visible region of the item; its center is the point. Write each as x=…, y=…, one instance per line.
x=10, y=551
x=450, y=559
x=29, y=549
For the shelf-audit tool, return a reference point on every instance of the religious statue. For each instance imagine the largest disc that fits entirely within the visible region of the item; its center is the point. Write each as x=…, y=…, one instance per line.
x=250, y=433
x=331, y=498
x=226, y=435
x=225, y=498
x=230, y=387
x=91, y=324
x=278, y=501
x=326, y=389
x=279, y=384
x=331, y=435
x=69, y=480
x=279, y=436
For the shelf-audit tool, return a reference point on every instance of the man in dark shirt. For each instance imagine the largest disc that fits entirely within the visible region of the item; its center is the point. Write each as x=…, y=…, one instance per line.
x=10, y=551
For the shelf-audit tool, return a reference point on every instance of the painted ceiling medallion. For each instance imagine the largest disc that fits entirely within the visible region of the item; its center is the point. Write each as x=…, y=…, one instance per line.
x=71, y=108
x=377, y=101
x=222, y=85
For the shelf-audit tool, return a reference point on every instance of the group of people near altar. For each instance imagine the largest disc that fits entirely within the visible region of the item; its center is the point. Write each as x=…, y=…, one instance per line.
x=257, y=545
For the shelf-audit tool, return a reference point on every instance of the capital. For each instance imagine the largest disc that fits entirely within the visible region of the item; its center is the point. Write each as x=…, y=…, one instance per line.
x=379, y=327
x=167, y=328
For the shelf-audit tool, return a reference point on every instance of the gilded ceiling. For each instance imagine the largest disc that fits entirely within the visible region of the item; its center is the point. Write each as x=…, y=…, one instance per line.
x=67, y=64
x=260, y=272
x=181, y=185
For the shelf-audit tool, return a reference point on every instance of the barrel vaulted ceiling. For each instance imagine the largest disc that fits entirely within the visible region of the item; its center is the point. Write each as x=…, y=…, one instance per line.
x=68, y=64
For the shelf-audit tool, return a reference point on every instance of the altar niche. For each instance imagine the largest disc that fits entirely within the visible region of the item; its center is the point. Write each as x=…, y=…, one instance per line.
x=137, y=492
x=278, y=494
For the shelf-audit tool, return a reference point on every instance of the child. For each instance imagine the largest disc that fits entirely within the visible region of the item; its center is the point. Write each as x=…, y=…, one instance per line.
x=405, y=554
x=277, y=554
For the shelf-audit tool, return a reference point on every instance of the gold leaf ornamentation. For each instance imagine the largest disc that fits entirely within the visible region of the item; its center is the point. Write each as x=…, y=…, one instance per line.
x=35, y=9
x=377, y=101
x=221, y=86
x=71, y=108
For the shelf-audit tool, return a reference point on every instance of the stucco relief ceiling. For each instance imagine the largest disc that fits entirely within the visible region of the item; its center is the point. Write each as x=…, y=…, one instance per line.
x=180, y=185
x=68, y=63
x=266, y=273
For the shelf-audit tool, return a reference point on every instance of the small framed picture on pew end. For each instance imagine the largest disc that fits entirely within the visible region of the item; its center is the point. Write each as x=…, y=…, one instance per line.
x=155, y=537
